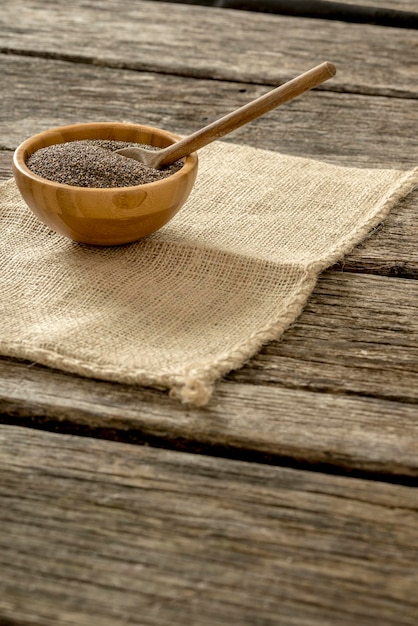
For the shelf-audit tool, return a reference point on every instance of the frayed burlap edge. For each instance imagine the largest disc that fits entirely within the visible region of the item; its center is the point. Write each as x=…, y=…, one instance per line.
x=195, y=386
x=399, y=191
x=192, y=386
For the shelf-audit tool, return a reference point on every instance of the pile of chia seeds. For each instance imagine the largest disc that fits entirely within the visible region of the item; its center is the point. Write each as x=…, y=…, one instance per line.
x=93, y=163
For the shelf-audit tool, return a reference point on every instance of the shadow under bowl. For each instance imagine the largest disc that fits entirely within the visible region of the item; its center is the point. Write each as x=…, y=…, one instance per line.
x=103, y=216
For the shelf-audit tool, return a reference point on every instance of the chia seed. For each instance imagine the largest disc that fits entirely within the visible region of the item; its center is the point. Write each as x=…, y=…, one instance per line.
x=93, y=163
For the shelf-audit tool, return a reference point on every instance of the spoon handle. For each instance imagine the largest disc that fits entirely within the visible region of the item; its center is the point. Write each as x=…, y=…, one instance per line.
x=243, y=115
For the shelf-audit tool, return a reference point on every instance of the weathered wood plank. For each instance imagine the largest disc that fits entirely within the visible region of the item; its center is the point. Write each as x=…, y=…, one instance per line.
x=365, y=131
x=395, y=5
x=392, y=249
x=342, y=128
x=261, y=423
x=348, y=342
x=268, y=5
x=5, y=164
x=323, y=9
x=99, y=532
x=326, y=394
x=214, y=43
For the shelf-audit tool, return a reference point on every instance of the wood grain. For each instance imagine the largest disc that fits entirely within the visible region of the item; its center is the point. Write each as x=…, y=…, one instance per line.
x=340, y=390
x=235, y=119
x=99, y=532
x=316, y=408
x=347, y=341
x=395, y=5
x=324, y=9
x=341, y=128
x=366, y=131
x=213, y=43
x=5, y=164
x=105, y=533
x=309, y=391
x=391, y=250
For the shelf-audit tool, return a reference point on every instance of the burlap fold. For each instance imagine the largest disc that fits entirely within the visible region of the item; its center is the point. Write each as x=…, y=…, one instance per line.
x=180, y=309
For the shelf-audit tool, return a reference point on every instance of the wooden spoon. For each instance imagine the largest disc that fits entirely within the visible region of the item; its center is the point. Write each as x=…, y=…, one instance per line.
x=230, y=122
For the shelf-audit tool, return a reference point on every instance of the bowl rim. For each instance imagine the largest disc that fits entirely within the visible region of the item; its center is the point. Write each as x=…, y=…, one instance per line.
x=19, y=162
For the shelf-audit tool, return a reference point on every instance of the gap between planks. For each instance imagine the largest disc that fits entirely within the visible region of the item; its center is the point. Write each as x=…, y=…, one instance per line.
x=200, y=42
x=107, y=533
x=324, y=462
x=379, y=136
x=371, y=132
x=352, y=12
x=339, y=389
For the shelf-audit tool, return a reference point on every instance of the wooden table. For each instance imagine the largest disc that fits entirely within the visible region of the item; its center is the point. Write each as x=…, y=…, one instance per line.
x=292, y=498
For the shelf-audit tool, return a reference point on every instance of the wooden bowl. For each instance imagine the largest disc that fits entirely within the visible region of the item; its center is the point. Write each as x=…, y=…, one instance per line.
x=103, y=216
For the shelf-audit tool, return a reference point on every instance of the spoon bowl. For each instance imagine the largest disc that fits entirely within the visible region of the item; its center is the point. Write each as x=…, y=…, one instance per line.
x=110, y=215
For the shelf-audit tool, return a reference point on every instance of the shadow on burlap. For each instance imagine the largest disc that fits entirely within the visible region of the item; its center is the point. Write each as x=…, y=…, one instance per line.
x=183, y=307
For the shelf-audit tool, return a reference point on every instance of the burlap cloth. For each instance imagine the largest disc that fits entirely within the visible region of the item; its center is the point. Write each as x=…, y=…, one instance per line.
x=180, y=309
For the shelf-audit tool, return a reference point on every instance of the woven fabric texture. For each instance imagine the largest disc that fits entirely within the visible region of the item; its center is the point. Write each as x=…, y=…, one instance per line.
x=183, y=307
